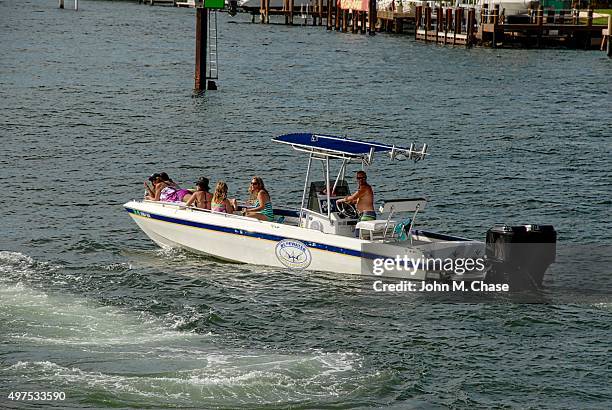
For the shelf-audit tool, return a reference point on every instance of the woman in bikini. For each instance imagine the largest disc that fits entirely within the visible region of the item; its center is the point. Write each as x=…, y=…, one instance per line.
x=171, y=192
x=150, y=186
x=262, y=207
x=202, y=197
x=220, y=203
x=163, y=189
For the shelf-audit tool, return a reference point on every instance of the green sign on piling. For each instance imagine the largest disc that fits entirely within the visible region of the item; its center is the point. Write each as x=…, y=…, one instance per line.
x=214, y=4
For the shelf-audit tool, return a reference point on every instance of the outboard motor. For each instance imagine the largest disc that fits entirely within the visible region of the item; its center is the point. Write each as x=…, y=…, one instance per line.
x=521, y=254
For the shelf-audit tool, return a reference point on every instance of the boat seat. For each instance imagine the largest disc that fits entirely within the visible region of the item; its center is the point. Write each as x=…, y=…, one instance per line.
x=375, y=229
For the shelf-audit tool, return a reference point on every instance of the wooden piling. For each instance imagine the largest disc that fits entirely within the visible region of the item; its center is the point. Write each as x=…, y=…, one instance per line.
x=320, y=12
x=329, y=15
x=344, y=21
x=372, y=17
x=337, y=18
x=286, y=11
x=540, y=22
x=364, y=18
x=61, y=4
x=200, y=54
x=457, y=27
x=587, y=42
x=609, y=37
x=418, y=13
x=439, y=19
x=448, y=22
x=495, y=19
x=427, y=22
x=470, y=27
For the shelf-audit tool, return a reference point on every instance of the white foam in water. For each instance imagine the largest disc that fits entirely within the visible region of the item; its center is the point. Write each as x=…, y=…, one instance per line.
x=14, y=260
x=136, y=359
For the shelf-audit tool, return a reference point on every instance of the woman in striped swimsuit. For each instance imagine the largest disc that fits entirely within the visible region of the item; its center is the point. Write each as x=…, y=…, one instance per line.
x=262, y=207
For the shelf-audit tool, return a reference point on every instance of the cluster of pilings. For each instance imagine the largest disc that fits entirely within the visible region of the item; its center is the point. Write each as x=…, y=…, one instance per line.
x=539, y=28
x=336, y=17
x=492, y=28
x=449, y=25
x=455, y=26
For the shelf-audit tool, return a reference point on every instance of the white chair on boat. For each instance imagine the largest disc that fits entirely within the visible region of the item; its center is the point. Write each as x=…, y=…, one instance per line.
x=381, y=229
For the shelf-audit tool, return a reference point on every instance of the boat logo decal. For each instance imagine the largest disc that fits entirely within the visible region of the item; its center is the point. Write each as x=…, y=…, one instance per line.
x=141, y=213
x=293, y=254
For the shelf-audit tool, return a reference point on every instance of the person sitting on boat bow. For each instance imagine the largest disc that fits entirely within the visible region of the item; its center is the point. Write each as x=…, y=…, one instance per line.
x=150, y=184
x=202, y=197
x=262, y=206
x=172, y=192
x=158, y=183
x=220, y=203
x=363, y=198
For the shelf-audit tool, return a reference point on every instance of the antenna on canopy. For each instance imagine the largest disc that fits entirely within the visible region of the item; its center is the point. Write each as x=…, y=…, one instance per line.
x=402, y=154
x=368, y=159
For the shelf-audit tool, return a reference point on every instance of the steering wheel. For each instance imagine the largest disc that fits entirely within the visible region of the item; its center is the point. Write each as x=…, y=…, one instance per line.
x=347, y=210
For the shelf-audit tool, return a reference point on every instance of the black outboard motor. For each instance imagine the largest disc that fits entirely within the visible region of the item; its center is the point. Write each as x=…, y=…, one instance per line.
x=521, y=254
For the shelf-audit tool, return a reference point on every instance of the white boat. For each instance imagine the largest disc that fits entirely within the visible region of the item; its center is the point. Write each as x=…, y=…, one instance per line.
x=321, y=234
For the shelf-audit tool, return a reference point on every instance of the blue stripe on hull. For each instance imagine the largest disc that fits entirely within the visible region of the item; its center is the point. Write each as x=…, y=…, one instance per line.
x=251, y=234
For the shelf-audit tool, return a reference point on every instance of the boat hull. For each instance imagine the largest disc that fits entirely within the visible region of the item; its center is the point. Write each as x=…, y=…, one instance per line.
x=246, y=240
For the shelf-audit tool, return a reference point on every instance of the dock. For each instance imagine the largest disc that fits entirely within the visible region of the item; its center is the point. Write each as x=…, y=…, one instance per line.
x=452, y=26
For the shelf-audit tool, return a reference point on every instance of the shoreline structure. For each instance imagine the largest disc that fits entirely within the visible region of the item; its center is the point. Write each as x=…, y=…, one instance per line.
x=464, y=25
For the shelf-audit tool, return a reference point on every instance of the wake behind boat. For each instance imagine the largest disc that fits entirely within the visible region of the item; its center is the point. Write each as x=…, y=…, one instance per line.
x=325, y=234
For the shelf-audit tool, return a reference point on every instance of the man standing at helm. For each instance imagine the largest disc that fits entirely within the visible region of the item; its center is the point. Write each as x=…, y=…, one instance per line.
x=363, y=198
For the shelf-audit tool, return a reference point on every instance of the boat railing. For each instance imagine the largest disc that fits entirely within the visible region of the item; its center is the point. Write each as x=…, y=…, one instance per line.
x=175, y=205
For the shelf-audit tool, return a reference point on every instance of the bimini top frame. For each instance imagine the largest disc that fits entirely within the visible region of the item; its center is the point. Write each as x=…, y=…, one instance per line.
x=348, y=149
x=324, y=147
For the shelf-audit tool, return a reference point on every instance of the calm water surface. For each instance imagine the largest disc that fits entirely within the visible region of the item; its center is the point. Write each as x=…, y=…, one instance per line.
x=94, y=101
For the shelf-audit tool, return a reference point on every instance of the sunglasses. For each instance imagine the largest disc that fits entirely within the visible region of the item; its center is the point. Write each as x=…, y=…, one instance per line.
x=254, y=183
x=360, y=177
